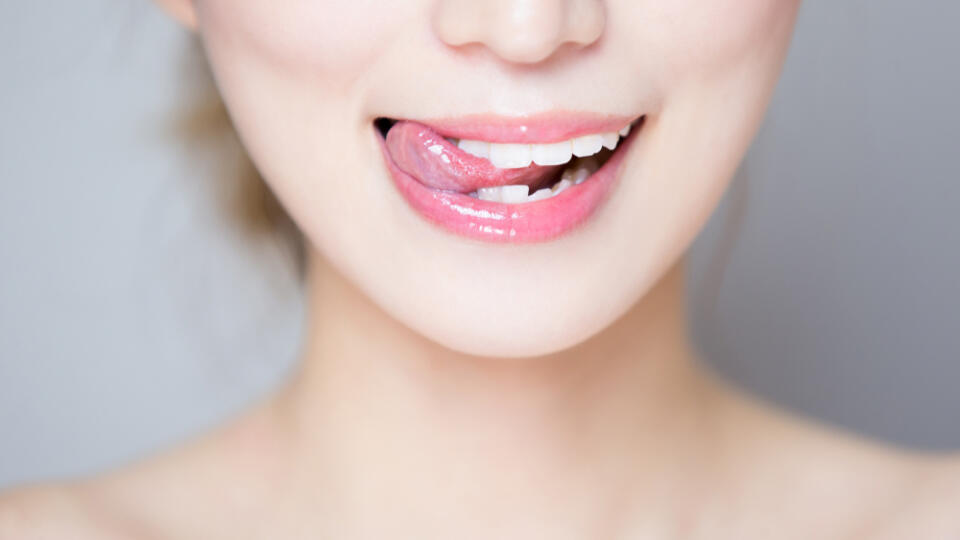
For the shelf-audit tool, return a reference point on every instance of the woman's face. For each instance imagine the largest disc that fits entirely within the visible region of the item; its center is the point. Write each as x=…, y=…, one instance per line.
x=401, y=213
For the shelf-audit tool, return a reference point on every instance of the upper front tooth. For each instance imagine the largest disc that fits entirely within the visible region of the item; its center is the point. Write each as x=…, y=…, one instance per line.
x=611, y=139
x=510, y=156
x=587, y=145
x=552, y=154
x=518, y=156
x=475, y=148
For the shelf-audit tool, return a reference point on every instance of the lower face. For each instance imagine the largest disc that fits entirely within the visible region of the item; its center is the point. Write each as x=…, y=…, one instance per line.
x=499, y=208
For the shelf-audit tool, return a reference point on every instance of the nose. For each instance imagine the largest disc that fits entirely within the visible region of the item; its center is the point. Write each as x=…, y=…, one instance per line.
x=520, y=31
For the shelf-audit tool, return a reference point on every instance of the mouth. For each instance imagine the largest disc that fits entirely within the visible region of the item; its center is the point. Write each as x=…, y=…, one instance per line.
x=503, y=179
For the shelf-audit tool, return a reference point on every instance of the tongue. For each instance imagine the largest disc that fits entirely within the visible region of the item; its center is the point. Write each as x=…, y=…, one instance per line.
x=424, y=154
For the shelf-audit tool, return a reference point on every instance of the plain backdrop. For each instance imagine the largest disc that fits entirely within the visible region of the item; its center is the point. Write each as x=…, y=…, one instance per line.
x=134, y=314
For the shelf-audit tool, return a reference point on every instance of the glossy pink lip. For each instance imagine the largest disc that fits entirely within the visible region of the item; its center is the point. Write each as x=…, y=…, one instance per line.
x=538, y=128
x=489, y=221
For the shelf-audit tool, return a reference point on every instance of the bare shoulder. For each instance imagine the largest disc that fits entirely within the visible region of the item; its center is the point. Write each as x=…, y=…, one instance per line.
x=857, y=483
x=52, y=512
x=930, y=507
x=196, y=490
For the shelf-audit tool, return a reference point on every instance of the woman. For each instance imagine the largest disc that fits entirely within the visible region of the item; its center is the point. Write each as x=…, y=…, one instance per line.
x=495, y=198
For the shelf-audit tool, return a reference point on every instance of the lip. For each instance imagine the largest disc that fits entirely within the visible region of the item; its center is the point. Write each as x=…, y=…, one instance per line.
x=545, y=127
x=537, y=221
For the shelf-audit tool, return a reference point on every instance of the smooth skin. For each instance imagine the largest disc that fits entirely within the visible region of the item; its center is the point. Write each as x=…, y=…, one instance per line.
x=450, y=388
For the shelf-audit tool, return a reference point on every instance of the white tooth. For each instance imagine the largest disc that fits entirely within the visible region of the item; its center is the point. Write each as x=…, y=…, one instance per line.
x=540, y=194
x=475, y=148
x=492, y=194
x=587, y=145
x=625, y=131
x=551, y=154
x=580, y=175
x=568, y=173
x=510, y=156
x=514, y=194
x=611, y=139
x=560, y=186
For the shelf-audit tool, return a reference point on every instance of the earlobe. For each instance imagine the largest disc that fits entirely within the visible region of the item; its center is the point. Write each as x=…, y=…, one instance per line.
x=184, y=11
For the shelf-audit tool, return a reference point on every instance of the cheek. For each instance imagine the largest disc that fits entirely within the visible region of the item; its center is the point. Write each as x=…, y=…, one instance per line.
x=291, y=79
x=699, y=38
x=333, y=39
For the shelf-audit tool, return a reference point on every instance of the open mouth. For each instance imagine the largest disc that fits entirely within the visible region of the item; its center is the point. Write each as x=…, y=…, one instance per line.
x=506, y=181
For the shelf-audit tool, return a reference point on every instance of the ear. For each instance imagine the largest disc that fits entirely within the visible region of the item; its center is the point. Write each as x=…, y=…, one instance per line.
x=184, y=11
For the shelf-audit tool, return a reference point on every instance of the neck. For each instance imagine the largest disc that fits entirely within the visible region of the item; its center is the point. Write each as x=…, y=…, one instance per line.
x=374, y=401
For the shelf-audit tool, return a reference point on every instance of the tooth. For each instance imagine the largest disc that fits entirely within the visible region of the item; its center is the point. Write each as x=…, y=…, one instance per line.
x=492, y=194
x=587, y=145
x=625, y=131
x=560, y=186
x=551, y=154
x=514, y=194
x=611, y=139
x=510, y=156
x=580, y=175
x=475, y=148
x=568, y=173
x=540, y=194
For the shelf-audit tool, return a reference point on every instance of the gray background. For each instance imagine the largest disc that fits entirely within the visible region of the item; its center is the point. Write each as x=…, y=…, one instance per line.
x=133, y=314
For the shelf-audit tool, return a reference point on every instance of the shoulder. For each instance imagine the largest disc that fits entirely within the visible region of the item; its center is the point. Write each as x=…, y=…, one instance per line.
x=879, y=490
x=196, y=490
x=929, y=507
x=52, y=512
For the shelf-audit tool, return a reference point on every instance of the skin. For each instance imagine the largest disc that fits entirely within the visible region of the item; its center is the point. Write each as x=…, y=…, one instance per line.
x=456, y=389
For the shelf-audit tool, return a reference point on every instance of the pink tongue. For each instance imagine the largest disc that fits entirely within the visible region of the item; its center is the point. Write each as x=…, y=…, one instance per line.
x=424, y=154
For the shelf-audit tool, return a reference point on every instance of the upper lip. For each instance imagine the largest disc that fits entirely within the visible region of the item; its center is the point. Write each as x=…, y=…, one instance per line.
x=545, y=127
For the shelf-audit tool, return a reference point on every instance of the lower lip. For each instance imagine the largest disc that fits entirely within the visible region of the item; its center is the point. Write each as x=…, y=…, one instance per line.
x=537, y=221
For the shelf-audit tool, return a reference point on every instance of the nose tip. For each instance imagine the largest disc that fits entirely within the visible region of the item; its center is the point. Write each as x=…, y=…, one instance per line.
x=520, y=31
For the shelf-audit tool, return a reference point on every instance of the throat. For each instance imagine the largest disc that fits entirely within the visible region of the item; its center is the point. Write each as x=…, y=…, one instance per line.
x=401, y=383
x=413, y=425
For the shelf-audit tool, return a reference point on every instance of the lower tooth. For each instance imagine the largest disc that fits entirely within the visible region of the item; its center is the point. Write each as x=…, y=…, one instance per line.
x=514, y=194
x=489, y=194
x=506, y=194
x=576, y=173
x=580, y=176
x=540, y=194
x=560, y=186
